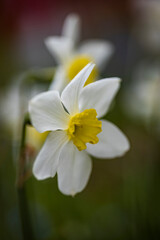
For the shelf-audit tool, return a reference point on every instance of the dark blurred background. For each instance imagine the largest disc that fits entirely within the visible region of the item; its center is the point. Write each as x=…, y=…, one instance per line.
x=121, y=200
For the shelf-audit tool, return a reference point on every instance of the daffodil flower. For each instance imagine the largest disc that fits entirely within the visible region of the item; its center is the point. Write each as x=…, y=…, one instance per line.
x=72, y=57
x=145, y=89
x=75, y=131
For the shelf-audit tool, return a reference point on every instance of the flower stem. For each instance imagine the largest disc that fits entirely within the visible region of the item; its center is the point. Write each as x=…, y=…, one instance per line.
x=24, y=214
x=20, y=185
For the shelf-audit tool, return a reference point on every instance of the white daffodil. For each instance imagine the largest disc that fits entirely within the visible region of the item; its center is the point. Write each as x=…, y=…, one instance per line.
x=71, y=57
x=75, y=131
x=145, y=90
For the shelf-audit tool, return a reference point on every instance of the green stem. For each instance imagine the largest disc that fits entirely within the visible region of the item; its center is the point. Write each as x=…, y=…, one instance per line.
x=24, y=214
x=40, y=76
x=20, y=184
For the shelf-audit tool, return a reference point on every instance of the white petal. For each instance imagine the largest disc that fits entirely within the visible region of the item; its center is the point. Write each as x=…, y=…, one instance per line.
x=60, y=47
x=112, y=142
x=73, y=170
x=46, y=163
x=59, y=81
x=70, y=95
x=99, y=95
x=47, y=112
x=99, y=50
x=71, y=27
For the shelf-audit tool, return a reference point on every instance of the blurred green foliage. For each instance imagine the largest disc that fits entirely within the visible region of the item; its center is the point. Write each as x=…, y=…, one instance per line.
x=121, y=200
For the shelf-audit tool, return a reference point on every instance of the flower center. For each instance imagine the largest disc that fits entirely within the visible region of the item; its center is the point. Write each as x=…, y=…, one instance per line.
x=83, y=128
x=76, y=65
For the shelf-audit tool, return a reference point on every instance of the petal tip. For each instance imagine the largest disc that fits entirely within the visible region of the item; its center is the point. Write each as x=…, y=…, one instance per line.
x=117, y=79
x=48, y=41
x=126, y=148
x=72, y=16
x=90, y=66
x=37, y=175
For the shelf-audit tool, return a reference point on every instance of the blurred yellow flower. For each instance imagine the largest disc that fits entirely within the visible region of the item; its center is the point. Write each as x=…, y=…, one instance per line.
x=72, y=57
x=34, y=138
